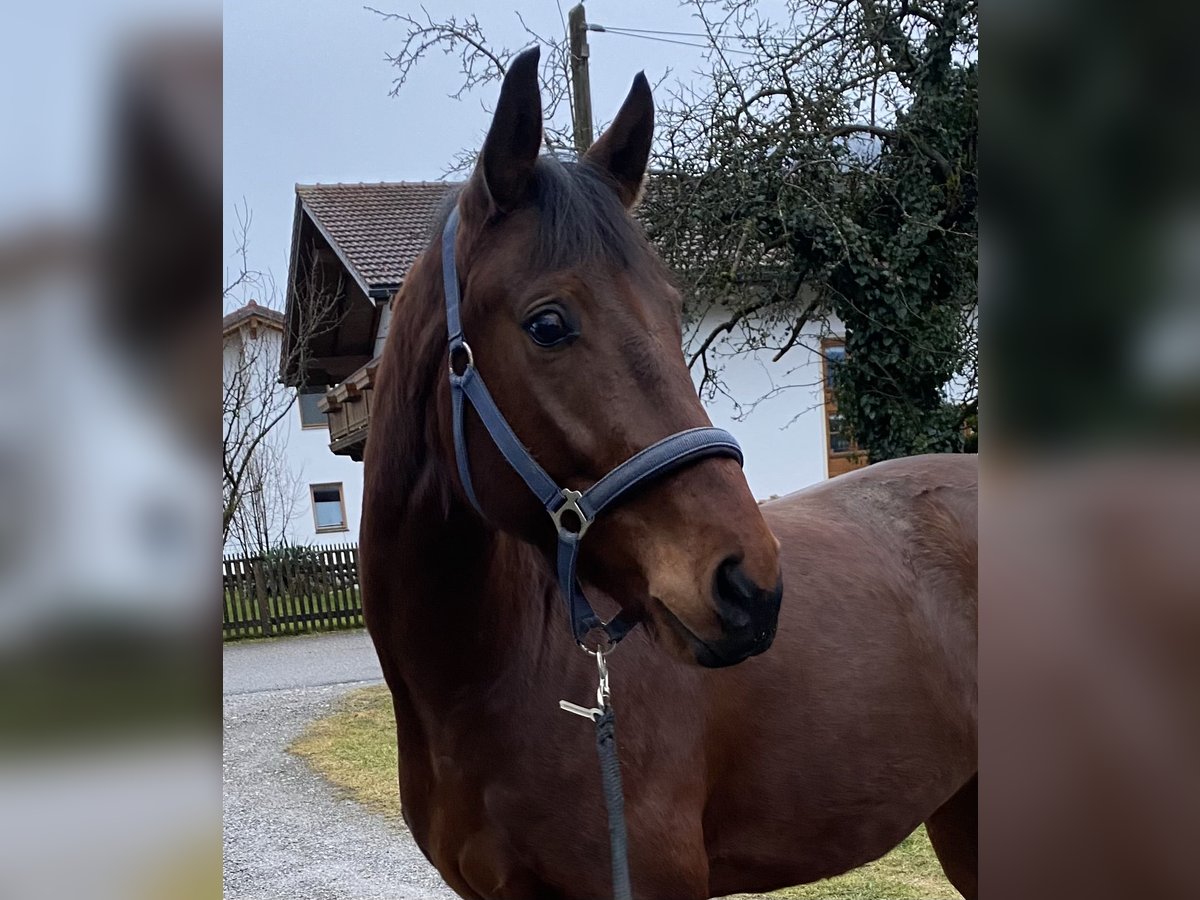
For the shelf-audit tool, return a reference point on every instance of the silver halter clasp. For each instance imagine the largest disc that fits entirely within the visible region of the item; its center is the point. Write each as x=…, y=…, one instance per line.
x=570, y=504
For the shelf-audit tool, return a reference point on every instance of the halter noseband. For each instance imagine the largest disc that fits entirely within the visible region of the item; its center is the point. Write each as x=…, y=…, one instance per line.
x=653, y=462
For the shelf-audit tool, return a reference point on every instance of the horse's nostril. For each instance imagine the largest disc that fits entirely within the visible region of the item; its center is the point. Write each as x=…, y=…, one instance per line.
x=735, y=593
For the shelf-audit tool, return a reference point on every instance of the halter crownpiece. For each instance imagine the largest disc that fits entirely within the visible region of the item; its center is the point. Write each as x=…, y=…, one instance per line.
x=571, y=511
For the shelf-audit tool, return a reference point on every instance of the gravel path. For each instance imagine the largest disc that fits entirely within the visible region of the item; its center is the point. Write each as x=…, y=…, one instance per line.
x=288, y=834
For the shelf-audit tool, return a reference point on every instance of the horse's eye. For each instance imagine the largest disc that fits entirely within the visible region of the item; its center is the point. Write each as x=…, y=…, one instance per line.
x=548, y=328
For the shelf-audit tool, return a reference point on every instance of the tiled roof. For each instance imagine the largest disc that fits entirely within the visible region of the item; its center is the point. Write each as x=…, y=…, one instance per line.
x=380, y=229
x=249, y=311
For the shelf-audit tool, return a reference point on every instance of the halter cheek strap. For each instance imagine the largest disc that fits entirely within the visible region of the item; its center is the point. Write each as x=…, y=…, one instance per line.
x=572, y=511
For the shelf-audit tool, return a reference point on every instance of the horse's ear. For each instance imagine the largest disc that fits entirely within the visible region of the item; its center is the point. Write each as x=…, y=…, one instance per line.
x=624, y=149
x=511, y=148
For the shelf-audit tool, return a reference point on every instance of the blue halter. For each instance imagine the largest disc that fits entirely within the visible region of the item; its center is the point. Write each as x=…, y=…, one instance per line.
x=653, y=462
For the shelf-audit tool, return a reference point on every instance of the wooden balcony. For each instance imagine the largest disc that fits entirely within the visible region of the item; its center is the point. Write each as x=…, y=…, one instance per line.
x=348, y=407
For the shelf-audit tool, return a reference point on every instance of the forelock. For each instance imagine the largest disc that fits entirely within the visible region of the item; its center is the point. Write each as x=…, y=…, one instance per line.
x=580, y=218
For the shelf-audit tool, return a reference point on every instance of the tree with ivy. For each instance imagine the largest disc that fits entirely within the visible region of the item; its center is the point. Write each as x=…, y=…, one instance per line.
x=832, y=172
x=825, y=167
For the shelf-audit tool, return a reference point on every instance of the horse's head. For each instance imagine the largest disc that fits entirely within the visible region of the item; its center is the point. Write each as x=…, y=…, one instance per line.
x=575, y=324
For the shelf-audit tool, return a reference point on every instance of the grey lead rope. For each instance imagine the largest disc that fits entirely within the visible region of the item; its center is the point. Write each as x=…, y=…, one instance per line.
x=610, y=773
x=614, y=800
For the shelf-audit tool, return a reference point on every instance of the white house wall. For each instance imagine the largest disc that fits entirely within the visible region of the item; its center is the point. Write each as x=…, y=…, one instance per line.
x=309, y=453
x=783, y=437
x=311, y=462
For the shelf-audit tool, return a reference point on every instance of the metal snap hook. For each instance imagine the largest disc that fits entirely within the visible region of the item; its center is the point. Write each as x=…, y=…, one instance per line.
x=603, y=694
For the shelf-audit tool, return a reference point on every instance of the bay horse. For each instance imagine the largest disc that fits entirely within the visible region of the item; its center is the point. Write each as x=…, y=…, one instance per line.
x=744, y=770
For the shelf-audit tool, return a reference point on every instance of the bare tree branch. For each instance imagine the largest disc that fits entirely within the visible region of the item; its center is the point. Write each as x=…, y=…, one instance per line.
x=254, y=402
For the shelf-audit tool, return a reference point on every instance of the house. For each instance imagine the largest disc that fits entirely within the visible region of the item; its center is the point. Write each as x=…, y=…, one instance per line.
x=292, y=489
x=356, y=242
x=359, y=240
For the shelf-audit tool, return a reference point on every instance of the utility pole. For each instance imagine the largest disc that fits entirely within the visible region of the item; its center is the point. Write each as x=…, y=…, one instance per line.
x=581, y=86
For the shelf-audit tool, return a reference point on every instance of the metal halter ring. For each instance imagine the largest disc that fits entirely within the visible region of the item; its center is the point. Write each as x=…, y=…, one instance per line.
x=570, y=504
x=604, y=644
x=461, y=345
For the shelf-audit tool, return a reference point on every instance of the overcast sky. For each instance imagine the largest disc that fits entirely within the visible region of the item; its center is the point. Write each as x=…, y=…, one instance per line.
x=307, y=96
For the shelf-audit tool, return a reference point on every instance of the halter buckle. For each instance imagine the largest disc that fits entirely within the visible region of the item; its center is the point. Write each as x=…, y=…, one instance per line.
x=570, y=504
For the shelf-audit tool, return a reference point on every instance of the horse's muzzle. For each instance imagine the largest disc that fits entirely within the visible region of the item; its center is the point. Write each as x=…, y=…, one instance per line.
x=747, y=616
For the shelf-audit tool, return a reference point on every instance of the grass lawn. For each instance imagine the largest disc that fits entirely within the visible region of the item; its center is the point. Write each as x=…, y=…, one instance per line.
x=355, y=749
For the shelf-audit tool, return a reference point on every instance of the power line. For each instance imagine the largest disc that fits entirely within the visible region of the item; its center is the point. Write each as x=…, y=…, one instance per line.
x=699, y=34
x=662, y=40
x=561, y=17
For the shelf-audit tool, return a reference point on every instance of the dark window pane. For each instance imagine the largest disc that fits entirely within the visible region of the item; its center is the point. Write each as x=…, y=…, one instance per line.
x=309, y=414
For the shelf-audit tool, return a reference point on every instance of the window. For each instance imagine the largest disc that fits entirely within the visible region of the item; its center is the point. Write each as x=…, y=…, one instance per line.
x=839, y=440
x=843, y=453
x=310, y=415
x=329, y=507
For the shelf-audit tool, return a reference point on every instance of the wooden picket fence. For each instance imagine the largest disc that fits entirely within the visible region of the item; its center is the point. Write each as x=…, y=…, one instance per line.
x=313, y=589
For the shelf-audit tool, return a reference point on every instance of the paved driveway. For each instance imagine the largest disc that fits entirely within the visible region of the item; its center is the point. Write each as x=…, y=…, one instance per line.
x=288, y=834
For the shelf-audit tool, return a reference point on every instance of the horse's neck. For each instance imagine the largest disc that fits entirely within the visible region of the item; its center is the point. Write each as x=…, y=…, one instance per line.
x=470, y=607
